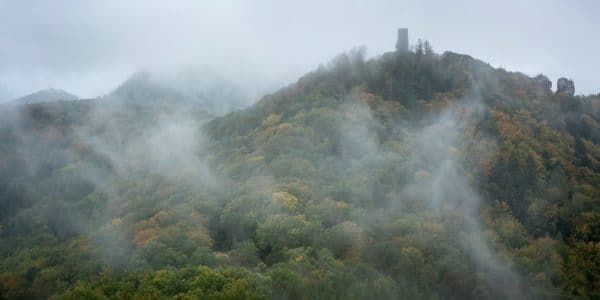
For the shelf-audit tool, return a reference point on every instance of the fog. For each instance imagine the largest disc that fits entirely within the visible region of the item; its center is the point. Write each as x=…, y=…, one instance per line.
x=374, y=166
x=435, y=156
x=88, y=48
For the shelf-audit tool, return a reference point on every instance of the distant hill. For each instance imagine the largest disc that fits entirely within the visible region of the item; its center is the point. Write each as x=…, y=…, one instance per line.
x=213, y=93
x=47, y=95
x=141, y=87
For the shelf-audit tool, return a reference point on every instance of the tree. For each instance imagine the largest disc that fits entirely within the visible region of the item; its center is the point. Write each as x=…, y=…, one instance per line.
x=428, y=49
x=419, y=51
x=581, y=152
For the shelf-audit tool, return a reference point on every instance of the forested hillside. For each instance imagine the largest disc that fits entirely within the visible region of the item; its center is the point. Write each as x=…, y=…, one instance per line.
x=410, y=175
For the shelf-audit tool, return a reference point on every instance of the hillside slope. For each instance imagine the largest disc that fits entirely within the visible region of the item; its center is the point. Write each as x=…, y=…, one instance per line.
x=411, y=175
x=422, y=153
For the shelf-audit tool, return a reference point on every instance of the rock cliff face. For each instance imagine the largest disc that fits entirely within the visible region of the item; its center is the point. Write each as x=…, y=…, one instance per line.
x=565, y=86
x=456, y=58
x=543, y=81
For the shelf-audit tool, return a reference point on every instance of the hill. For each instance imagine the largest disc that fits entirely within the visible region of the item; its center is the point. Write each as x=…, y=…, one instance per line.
x=216, y=94
x=411, y=174
x=47, y=95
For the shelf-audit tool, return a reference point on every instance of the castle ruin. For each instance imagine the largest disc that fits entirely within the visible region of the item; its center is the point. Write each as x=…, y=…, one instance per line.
x=402, y=43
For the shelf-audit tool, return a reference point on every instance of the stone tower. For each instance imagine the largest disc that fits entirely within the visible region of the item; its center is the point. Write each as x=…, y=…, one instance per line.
x=402, y=43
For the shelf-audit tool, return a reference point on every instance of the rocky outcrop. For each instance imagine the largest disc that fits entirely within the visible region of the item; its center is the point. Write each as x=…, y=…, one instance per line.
x=456, y=58
x=565, y=87
x=543, y=81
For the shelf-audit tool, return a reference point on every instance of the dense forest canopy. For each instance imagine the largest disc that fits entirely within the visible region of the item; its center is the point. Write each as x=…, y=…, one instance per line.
x=408, y=175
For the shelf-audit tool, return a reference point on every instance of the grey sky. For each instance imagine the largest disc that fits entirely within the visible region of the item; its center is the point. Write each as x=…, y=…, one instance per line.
x=89, y=47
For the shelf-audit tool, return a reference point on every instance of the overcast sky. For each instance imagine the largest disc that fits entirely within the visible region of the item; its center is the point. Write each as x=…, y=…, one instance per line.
x=89, y=47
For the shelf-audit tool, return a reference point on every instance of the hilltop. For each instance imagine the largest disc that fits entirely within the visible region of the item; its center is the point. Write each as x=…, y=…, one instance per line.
x=202, y=88
x=47, y=95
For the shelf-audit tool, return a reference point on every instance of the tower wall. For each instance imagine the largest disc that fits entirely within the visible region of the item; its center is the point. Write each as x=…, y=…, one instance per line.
x=402, y=43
